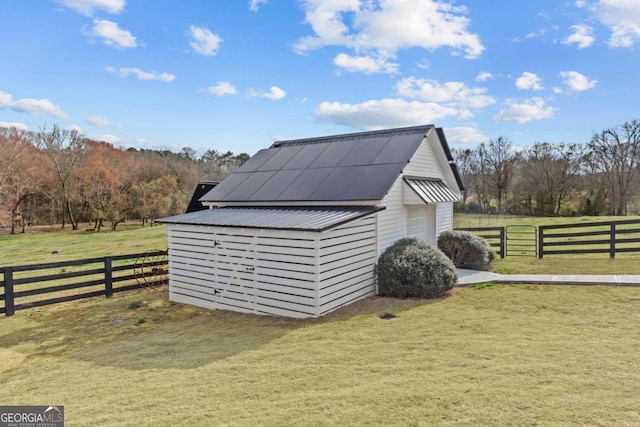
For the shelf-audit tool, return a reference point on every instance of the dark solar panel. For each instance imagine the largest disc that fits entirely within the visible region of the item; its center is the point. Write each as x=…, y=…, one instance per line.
x=333, y=155
x=220, y=191
x=305, y=184
x=278, y=183
x=364, y=151
x=249, y=186
x=375, y=181
x=398, y=149
x=281, y=157
x=258, y=159
x=306, y=156
x=338, y=184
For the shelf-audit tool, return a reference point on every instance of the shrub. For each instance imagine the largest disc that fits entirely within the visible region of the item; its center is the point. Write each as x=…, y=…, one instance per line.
x=412, y=269
x=466, y=250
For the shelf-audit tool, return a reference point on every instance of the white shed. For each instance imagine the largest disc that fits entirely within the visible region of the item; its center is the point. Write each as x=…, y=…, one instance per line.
x=297, y=229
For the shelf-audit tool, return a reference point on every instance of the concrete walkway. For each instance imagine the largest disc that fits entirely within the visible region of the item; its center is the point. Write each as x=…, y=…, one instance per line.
x=470, y=277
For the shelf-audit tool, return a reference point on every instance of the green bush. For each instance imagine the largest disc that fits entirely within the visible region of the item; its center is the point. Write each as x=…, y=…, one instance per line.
x=412, y=269
x=466, y=250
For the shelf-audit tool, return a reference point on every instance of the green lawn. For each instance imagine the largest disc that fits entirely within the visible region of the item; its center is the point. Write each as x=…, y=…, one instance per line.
x=39, y=247
x=497, y=355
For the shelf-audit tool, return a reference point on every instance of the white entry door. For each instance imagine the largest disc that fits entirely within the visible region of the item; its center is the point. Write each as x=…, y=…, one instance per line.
x=421, y=223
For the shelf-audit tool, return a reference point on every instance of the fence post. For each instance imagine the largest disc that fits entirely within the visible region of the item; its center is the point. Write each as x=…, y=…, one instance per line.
x=108, y=277
x=540, y=242
x=502, y=243
x=9, y=302
x=612, y=241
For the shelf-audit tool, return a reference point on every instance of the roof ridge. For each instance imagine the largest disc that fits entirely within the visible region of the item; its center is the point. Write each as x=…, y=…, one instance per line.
x=351, y=136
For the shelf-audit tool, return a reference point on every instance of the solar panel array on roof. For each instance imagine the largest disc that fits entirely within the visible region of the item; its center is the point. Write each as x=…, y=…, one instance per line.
x=353, y=167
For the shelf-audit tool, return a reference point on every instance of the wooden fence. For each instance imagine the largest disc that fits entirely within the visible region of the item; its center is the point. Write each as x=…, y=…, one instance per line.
x=24, y=286
x=615, y=237
x=494, y=235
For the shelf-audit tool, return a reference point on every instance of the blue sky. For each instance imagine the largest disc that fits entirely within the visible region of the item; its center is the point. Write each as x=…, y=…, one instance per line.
x=238, y=74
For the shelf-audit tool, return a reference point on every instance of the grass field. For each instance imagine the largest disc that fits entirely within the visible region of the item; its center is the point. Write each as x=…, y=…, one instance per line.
x=484, y=355
x=497, y=355
x=36, y=247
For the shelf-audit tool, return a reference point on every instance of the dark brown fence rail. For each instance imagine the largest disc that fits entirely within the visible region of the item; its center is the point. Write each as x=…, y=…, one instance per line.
x=27, y=286
x=494, y=235
x=590, y=238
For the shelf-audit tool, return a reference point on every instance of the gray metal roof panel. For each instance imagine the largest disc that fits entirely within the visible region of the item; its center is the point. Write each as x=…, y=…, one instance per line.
x=432, y=190
x=291, y=218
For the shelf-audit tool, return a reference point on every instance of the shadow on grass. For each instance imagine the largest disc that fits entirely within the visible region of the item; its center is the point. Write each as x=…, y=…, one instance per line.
x=216, y=335
x=142, y=330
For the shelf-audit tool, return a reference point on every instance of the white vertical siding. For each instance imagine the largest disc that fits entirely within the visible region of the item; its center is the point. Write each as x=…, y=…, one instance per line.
x=346, y=260
x=392, y=222
x=283, y=273
x=253, y=271
x=444, y=217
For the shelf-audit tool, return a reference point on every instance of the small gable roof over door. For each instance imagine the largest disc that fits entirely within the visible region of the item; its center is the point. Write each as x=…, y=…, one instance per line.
x=355, y=167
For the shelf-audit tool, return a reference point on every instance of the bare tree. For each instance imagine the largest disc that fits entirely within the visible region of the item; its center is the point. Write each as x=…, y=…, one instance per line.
x=501, y=161
x=550, y=174
x=20, y=172
x=614, y=153
x=464, y=161
x=65, y=150
x=479, y=176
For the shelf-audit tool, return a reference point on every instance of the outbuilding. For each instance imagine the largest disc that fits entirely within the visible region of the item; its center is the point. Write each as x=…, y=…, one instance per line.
x=297, y=229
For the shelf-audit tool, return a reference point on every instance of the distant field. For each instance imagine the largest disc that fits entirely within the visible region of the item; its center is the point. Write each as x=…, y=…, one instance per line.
x=465, y=220
x=36, y=247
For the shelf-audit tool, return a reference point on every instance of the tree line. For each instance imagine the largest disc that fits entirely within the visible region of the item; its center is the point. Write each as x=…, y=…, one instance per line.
x=60, y=177
x=593, y=178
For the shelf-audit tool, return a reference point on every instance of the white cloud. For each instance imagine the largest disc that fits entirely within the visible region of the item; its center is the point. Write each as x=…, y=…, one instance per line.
x=483, y=76
x=111, y=34
x=142, y=75
x=580, y=3
x=203, y=41
x=365, y=64
x=582, y=36
x=75, y=128
x=381, y=114
x=529, y=110
x=32, y=106
x=623, y=19
x=380, y=29
x=16, y=125
x=274, y=94
x=450, y=93
x=88, y=7
x=577, y=82
x=254, y=5
x=528, y=81
x=111, y=139
x=222, y=88
x=98, y=121
x=464, y=135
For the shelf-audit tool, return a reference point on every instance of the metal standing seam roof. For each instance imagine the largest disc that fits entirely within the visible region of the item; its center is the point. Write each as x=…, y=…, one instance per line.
x=286, y=218
x=431, y=190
